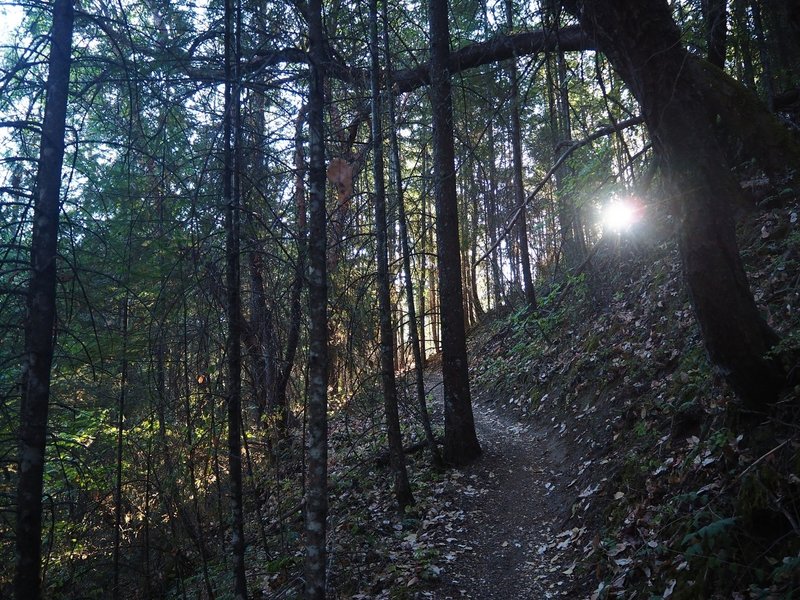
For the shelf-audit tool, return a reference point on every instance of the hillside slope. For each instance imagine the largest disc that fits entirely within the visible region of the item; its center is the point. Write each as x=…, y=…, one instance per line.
x=672, y=491
x=616, y=462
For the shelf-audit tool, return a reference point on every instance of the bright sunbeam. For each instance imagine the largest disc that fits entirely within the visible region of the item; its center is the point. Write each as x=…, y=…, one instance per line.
x=620, y=214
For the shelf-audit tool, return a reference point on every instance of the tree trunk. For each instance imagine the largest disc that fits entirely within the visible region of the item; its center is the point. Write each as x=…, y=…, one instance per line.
x=260, y=340
x=643, y=44
x=123, y=390
x=40, y=322
x=460, y=441
x=402, y=489
x=519, y=187
x=742, y=37
x=232, y=199
x=316, y=512
x=781, y=19
x=491, y=219
x=295, y=305
x=715, y=16
x=746, y=128
x=416, y=346
x=767, y=77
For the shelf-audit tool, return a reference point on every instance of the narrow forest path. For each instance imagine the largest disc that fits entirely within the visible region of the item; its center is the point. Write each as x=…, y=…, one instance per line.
x=513, y=540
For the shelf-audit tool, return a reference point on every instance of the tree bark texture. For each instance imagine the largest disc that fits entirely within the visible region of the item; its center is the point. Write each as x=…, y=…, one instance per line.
x=460, y=441
x=232, y=198
x=40, y=322
x=316, y=509
x=643, y=44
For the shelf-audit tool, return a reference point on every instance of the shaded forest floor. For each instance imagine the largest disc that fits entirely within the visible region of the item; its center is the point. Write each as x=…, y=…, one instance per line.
x=614, y=464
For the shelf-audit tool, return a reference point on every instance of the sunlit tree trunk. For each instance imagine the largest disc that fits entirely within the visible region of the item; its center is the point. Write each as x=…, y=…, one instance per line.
x=460, y=441
x=316, y=508
x=492, y=220
x=40, y=322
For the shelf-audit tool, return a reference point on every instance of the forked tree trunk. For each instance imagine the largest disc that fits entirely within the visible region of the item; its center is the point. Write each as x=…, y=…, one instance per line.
x=643, y=44
x=40, y=323
x=460, y=441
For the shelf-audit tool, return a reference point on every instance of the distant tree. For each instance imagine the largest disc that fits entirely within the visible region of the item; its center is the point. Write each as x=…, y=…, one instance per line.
x=715, y=17
x=41, y=319
x=460, y=441
x=519, y=187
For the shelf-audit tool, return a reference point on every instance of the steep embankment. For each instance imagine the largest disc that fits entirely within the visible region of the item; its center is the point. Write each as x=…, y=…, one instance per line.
x=630, y=470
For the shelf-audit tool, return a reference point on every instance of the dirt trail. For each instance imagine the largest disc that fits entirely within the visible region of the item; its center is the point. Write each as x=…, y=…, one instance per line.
x=516, y=500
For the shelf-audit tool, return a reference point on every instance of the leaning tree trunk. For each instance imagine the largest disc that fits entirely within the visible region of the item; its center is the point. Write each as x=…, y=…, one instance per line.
x=460, y=441
x=39, y=326
x=316, y=510
x=643, y=44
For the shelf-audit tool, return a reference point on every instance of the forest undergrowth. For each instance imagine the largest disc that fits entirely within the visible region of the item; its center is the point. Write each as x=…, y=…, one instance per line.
x=662, y=487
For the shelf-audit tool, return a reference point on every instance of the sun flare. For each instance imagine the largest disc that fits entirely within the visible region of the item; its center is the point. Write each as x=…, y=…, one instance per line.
x=620, y=214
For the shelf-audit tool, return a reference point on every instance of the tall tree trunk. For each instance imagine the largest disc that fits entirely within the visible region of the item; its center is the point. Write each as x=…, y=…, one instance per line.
x=295, y=304
x=232, y=199
x=40, y=322
x=123, y=390
x=402, y=489
x=260, y=339
x=519, y=186
x=423, y=261
x=472, y=257
x=491, y=219
x=416, y=346
x=643, y=44
x=460, y=441
x=316, y=510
